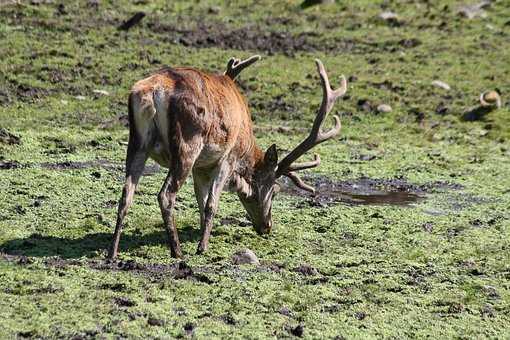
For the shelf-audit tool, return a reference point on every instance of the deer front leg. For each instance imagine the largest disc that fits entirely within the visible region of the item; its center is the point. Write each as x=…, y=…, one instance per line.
x=135, y=164
x=219, y=178
x=201, y=185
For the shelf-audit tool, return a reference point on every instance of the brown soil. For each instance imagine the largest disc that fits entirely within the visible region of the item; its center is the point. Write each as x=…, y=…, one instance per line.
x=259, y=38
x=150, y=169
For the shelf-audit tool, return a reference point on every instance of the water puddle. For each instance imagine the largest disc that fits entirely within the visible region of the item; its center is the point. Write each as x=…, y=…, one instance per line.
x=362, y=191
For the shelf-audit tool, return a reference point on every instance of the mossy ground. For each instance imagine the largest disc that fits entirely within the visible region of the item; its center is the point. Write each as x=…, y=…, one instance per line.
x=440, y=268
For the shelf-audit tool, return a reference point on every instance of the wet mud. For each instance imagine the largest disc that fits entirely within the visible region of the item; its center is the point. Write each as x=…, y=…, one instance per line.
x=365, y=191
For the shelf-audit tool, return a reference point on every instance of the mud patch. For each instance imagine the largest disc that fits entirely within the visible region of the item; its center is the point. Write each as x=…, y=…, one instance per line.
x=100, y=163
x=123, y=301
x=7, y=165
x=259, y=38
x=362, y=191
x=27, y=93
x=71, y=165
x=8, y=138
x=177, y=271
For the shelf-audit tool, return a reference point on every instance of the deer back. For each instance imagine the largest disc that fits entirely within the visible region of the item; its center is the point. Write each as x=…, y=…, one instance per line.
x=186, y=104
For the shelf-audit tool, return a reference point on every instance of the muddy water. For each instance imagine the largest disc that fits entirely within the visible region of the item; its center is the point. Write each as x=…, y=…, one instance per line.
x=363, y=191
x=381, y=197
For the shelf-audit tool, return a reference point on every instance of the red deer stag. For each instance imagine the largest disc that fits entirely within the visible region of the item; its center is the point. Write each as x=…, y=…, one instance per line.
x=192, y=121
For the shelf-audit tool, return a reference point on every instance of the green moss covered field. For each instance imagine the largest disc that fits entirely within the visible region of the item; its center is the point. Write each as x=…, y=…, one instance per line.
x=408, y=236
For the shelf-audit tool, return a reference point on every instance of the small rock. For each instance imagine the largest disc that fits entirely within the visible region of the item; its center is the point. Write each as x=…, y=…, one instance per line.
x=366, y=158
x=214, y=10
x=490, y=98
x=388, y=15
x=384, y=108
x=80, y=97
x=441, y=84
x=474, y=11
x=245, y=256
x=101, y=92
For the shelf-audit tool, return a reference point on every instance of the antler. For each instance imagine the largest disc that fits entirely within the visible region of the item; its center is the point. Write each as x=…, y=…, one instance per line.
x=235, y=66
x=316, y=136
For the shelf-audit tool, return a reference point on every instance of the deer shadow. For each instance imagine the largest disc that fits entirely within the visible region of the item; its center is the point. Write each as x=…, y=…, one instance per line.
x=37, y=245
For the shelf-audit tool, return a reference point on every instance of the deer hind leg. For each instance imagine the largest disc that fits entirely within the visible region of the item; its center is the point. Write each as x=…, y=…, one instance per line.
x=140, y=136
x=135, y=163
x=219, y=177
x=183, y=157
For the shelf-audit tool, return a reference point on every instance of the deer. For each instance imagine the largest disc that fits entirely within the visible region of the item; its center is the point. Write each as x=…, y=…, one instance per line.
x=194, y=122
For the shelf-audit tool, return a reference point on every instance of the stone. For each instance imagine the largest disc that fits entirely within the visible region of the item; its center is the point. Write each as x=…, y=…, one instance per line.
x=384, y=108
x=441, y=84
x=101, y=92
x=388, y=16
x=245, y=256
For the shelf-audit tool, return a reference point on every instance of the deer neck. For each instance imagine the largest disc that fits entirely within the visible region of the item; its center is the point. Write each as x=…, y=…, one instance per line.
x=242, y=178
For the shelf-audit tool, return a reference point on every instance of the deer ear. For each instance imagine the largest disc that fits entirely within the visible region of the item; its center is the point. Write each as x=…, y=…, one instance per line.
x=271, y=157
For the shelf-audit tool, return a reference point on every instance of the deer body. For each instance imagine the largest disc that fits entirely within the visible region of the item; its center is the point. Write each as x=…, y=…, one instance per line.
x=193, y=122
x=186, y=105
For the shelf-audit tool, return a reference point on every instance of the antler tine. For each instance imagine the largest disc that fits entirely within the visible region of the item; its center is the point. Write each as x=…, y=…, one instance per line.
x=316, y=136
x=329, y=95
x=299, y=182
x=235, y=66
x=305, y=165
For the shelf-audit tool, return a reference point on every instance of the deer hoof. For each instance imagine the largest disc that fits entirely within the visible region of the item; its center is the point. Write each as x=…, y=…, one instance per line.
x=201, y=248
x=177, y=253
x=112, y=255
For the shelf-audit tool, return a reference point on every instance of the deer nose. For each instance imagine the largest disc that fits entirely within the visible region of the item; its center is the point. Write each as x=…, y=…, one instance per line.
x=266, y=228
